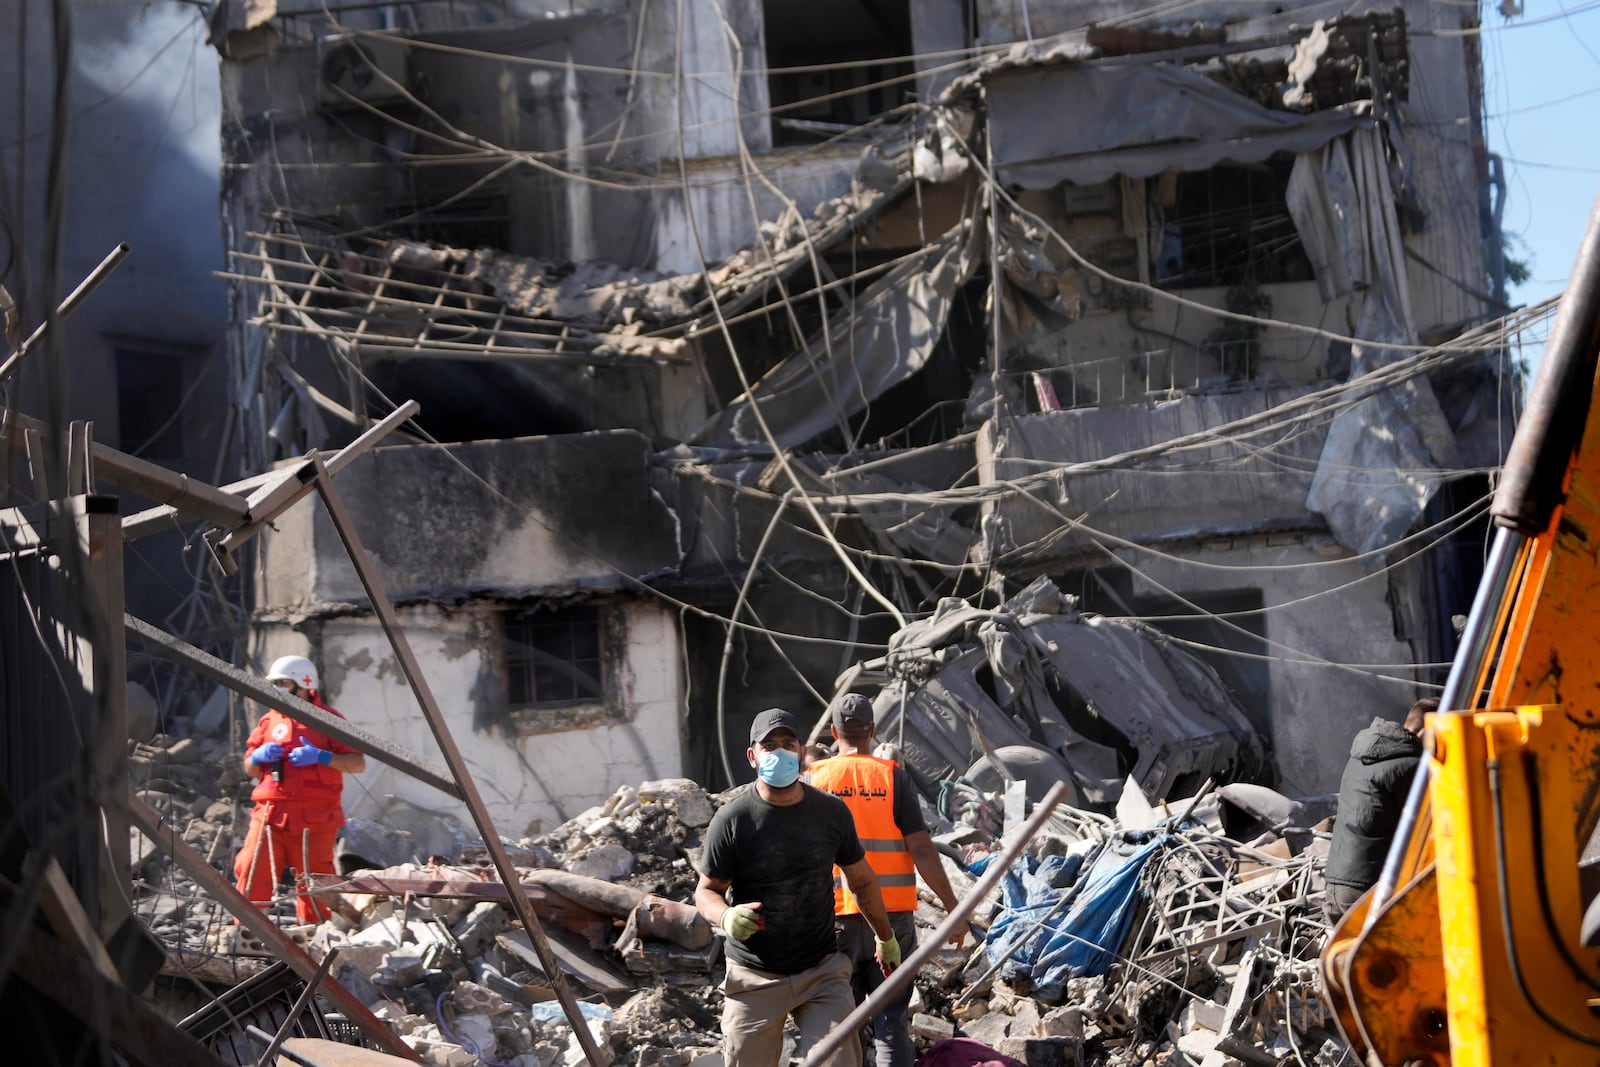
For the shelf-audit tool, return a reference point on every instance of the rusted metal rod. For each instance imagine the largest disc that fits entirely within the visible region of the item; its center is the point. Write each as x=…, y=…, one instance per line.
x=299, y=1005
x=293, y=1055
x=409, y=666
x=956, y=920
x=66, y=307
x=257, y=922
x=165, y=645
x=264, y=493
x=140, y=476
x=272, y=500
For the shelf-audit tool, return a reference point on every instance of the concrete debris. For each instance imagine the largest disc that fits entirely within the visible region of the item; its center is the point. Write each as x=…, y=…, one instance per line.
x=1214, y=962
x=1040, y=692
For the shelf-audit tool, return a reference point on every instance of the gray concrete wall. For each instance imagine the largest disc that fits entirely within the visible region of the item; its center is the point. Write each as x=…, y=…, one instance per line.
x=531, y=780
x=1254, y=484
x=1329, y=632
x=513, y=518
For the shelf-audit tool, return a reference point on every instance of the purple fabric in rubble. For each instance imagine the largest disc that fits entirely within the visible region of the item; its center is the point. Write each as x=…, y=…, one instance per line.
x=964, y=1052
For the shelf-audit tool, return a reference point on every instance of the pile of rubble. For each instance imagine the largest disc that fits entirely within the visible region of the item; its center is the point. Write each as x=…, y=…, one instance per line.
x=1211, y=924
x=1210, y=945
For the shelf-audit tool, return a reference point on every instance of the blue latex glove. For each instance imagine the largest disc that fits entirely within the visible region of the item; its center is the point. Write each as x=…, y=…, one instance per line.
x=271, y=752
x=306, y=754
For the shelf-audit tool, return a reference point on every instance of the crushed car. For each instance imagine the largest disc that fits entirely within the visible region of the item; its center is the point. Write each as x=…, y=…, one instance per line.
x=1039, y=691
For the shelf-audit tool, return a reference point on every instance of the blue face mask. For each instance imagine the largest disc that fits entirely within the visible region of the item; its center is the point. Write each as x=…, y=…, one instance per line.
x=778, y=768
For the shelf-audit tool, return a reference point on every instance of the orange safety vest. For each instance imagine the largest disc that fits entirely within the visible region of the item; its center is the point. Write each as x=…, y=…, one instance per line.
x=866, y=785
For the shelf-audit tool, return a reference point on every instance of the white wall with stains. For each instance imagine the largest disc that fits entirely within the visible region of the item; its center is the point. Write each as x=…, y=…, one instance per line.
x=530, y=782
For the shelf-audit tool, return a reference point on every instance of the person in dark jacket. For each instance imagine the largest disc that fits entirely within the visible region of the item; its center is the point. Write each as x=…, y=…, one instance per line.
x=1383, y=760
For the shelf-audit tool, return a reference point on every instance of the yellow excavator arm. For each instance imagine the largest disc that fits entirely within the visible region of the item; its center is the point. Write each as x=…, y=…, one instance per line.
x=1471, y=950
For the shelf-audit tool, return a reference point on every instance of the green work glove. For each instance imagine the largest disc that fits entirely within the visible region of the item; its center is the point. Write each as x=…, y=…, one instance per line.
x=888, y=955
x=742, y=920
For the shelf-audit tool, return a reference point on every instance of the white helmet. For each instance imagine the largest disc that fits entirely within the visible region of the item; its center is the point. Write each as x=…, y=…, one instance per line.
x=296, y=669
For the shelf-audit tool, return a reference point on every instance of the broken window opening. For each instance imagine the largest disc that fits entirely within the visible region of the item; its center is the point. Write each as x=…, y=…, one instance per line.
x=553, y=658
x=469, y=222
x=152, y=380
x=1086, y=721
x=814, y=105
x=1227, y=226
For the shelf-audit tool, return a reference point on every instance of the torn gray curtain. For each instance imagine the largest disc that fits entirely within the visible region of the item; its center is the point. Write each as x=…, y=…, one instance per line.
x=1326, y=208
x=1385, y=456
x=879, y=341
x=1087, y=122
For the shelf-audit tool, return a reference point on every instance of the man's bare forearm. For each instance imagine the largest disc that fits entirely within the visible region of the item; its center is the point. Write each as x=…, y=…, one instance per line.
x=864, y=884
x=930, y=865
x=711, y=900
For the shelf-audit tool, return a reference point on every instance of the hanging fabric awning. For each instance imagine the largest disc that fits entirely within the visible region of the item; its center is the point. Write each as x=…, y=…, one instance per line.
x=1087, y=122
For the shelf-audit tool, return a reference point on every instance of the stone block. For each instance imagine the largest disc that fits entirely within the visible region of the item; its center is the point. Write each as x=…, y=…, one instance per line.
x=383, y=932
x=470, y=997
x=397, y=1018
x=931, y=1028
x=400, y=968
x=143, y=855
x=477, y=931
x=477, y=1028
x=184, y=750
x=1063, y=1022
x=1207, y=1014
x=1040, y=1051
x=694, y=810
x=1025, y=1018
x=1197, y=1042
x=991, y=1029
x=662, y=957
x=609, y=863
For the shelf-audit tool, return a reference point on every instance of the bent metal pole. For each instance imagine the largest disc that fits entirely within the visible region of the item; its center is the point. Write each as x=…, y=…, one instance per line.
x=956, y=920
x=383, y=608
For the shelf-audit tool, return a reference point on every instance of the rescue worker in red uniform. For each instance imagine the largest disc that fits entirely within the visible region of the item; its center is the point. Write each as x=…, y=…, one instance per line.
x=300, y=776
x=883, y=803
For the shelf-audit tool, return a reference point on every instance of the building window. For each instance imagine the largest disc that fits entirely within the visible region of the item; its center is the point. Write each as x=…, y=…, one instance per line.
x=152, y=384
x=463, y=222
x=813, y=105
x=553, y=657
x=1228, y=226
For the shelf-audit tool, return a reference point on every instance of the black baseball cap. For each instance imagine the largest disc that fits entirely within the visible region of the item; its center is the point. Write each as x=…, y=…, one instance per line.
x=771, y=720
x=852, y=714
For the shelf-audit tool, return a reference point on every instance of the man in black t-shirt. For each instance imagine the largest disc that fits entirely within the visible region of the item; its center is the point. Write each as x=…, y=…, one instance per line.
x=766, y=880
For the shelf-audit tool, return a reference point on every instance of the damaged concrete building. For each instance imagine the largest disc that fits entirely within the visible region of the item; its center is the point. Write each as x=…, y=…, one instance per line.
x=746, y=332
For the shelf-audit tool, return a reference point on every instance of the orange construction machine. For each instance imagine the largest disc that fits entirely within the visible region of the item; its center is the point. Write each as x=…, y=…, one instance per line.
x=1479, y=945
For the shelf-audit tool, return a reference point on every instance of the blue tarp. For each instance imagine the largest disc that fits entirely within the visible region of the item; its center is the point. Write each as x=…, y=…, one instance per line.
x=1054, y=942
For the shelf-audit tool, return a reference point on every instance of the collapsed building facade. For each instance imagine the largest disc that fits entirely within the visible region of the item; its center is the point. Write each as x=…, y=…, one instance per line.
x=743, y=338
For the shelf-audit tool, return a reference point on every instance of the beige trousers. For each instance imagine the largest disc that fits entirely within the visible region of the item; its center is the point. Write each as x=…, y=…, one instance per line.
x=756, y=1003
